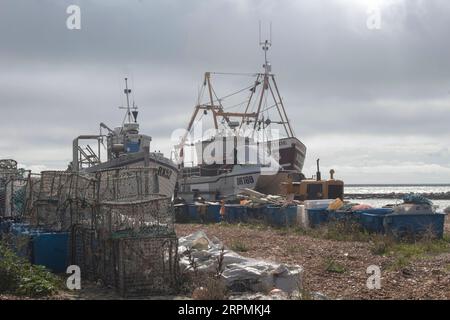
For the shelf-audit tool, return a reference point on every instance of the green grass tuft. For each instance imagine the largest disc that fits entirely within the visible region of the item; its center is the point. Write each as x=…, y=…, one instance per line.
x=334, y=267
x=239, y=246
x=19, y=277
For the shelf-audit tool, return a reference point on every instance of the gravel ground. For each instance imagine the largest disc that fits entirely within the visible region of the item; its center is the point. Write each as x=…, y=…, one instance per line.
x=424, y=277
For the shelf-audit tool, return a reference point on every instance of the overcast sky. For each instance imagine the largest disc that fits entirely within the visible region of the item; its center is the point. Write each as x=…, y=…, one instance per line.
x=374, y=104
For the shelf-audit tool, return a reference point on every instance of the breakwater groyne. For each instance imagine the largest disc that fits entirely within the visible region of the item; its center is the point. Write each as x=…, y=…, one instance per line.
x=397, y=195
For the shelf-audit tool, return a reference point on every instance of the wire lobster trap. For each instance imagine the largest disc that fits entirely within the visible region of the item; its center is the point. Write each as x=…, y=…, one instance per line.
x=59, y=199
x=13, y=197
x=63, y=185
x=133, y=265
x=145, y=265
x=92, y=253
x=121, y=229
x=152, y=216
x=13, y=182
x=127, y=184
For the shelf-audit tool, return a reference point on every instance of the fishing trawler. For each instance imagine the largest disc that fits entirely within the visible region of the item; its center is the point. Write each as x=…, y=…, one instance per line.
x=252, y=146
x=126, y=148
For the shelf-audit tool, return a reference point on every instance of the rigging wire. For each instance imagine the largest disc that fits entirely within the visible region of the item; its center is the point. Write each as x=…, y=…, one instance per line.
x=268, y=108
x=201, y=91
x=235, y=74
x=233, y=93
x=237, y=105
x=217, y=98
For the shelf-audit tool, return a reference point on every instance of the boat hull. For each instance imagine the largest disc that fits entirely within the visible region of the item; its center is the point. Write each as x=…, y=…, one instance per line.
x=231, y=183
x=166, y=169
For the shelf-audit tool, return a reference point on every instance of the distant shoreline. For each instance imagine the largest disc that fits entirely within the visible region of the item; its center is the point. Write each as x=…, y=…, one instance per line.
x=398, y=185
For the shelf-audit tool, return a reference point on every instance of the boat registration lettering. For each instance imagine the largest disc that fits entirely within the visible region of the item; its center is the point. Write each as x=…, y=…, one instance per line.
x=245, y=180
x=164, y=172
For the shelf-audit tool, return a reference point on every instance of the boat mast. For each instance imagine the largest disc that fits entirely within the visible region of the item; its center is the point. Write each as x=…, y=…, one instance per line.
x=269, y=77
x=208, y=81
x=129, y=115
x=127, y=93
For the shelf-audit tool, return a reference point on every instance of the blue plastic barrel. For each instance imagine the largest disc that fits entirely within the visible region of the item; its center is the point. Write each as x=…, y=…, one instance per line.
x=415, y=225
x=51, y=250
x=317, y=216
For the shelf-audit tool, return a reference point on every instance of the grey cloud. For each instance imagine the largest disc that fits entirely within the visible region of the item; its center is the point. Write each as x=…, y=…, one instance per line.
x=336, y=76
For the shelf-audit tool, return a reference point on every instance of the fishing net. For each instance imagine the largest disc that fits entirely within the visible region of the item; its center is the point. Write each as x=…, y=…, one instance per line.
x=416, y=199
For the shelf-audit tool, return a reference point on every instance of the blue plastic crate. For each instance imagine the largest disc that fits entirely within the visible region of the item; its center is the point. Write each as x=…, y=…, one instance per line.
x=289, y=216
x=5, y=227
x=19, y=228
x=378, y=211
x=365, y=221
x=200, y=213
x=235, y=213
x=372, y=222
x=341, y=216
x=255, y=213
x=281, y=216
x=317, y=217
x=194, y=212
x=414, y=225
x=181, y=213
x=51, y=250
x=213, y=213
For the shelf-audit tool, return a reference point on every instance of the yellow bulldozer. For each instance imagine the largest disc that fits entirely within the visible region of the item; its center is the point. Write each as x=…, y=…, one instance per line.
x=315, y=188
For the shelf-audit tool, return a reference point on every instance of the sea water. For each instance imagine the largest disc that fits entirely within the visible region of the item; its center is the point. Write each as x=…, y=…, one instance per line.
x=389, y=188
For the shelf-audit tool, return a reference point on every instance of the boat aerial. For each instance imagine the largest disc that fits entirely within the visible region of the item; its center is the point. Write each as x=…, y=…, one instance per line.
x=251, y=143
x=125, y=148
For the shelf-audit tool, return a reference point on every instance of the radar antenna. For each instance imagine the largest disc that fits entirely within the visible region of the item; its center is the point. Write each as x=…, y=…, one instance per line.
x=265, y=45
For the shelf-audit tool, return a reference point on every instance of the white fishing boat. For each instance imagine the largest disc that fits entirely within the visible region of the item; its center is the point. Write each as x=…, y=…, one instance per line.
x=253, y=144
x=125, y=148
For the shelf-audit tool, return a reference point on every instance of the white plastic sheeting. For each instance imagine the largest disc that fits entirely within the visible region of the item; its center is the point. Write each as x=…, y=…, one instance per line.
x=241, y=274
